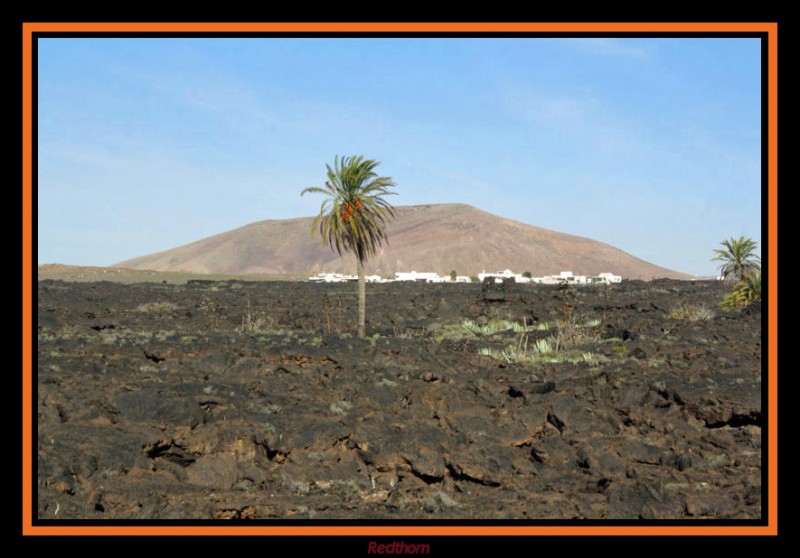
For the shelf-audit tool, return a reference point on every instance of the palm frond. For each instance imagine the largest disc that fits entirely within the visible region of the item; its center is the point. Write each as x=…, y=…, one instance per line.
x=354, y=217
x=738, y=257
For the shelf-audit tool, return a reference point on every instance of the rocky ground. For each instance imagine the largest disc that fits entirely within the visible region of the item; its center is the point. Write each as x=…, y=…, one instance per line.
x=254, y=400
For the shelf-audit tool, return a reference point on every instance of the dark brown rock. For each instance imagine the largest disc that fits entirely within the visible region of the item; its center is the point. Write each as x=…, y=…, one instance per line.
x=182, y=414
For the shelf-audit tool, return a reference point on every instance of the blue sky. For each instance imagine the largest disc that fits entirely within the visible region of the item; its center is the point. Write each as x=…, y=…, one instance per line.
x=652, y=145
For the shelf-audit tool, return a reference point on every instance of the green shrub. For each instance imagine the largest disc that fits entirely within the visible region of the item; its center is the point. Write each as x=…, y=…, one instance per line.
x=156, y=307
x=256, y=322
x=691, y=312
x=746, y=291
x=494, y=326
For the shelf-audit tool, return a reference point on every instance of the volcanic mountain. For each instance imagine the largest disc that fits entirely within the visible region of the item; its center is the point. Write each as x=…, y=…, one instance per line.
x=438, y=238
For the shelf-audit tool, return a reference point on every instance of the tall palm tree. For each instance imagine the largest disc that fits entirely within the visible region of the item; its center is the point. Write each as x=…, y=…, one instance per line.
x=738, y=257
x=354, y=217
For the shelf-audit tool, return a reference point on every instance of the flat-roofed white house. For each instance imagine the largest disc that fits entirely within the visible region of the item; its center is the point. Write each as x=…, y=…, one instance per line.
x=499, y=276
x=608, y=278
x=327, y=278
x=550, y=279
x=424, y=277
x=564, y=277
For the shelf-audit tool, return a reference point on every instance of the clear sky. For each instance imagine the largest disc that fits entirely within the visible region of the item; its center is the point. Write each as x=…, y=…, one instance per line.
x=652, y=145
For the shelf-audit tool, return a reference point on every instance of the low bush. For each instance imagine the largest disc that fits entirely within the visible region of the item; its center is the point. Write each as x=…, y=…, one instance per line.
x=156, y=307
x=691, y=312
x=746, y=291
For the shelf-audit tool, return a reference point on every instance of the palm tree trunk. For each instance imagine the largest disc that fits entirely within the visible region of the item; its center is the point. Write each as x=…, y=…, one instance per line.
x=362, y=300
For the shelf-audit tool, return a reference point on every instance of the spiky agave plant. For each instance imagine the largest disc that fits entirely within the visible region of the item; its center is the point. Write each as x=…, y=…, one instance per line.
x=354, y=217
x=746, y=291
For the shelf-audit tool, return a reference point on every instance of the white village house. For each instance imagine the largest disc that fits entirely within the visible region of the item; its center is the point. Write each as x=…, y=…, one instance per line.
x=327, y=278
x=609, y=278
x=564, y=277
x=424, y=277
x=505, y=274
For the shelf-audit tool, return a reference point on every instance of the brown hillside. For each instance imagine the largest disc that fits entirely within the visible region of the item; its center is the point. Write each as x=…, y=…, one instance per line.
x=436, y=238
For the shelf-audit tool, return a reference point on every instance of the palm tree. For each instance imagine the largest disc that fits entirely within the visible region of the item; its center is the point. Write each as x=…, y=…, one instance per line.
x=738, y=257
x=354, y=217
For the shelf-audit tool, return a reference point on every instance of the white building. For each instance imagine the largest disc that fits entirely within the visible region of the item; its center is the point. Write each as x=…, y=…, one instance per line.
x=327, y=278
x=607, y=278
x=564, y=277
x=549, y=279
x=499, y=276
x=424, y=277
